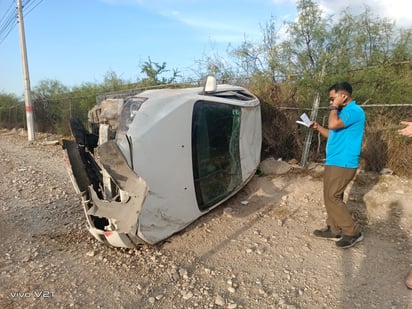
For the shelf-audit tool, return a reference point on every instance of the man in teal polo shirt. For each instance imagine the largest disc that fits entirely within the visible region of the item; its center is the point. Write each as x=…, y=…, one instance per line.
x=345, y=130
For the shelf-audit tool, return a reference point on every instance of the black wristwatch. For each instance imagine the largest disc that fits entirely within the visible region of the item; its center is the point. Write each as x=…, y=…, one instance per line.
x=333, y=107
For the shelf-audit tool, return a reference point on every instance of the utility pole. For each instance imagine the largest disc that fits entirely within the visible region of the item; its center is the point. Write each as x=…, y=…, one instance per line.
x=26, y=78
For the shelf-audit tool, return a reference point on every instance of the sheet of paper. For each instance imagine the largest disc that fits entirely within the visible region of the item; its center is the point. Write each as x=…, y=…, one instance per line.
x=305, y=120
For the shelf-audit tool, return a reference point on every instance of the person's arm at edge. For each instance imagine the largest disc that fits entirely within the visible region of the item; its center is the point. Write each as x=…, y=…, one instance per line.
x=407, y=131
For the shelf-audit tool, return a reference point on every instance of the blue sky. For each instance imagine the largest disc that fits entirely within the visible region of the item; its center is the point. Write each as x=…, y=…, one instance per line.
x=78, y=41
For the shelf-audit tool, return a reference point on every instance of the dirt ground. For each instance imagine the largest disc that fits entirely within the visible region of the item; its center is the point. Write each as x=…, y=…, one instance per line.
x=259, y=254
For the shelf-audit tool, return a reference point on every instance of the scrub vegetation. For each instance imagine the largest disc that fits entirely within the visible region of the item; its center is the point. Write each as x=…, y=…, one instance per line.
x=288, y=68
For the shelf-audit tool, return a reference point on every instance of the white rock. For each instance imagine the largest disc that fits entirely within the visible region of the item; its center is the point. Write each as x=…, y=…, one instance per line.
x=220, y=301
x=386, y=171
x=183, y=272
x=91, y=253
x=188, y=295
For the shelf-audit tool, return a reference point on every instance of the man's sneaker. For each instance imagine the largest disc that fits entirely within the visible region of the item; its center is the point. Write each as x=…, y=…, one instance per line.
x=349, y=241
x=327, y=234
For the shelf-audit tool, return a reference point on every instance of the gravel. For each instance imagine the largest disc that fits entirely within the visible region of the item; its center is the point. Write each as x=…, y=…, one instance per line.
x=254, y=251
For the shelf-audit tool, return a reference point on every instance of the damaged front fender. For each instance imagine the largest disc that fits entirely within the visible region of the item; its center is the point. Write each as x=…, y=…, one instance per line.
x=112, y=216
x=123, y=209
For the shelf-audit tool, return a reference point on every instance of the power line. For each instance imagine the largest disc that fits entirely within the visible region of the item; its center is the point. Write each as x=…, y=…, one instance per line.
x=9, y=20
x=30, y=5
x=7, y=11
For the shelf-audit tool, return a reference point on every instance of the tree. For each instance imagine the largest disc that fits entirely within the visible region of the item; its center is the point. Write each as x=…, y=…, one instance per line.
x=49, y=88
x=11, y=110
x=113, y=82
x=48, y=105
x=308, y=42
x=7, y=100
x=153, y=72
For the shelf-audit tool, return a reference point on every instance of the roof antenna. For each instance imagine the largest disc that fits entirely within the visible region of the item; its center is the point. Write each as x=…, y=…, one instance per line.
x=210, y=85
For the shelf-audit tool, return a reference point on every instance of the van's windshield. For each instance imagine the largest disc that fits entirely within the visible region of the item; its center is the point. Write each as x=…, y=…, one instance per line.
x=215, y=151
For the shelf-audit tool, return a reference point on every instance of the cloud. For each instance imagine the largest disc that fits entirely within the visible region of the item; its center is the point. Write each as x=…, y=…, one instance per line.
x=212, y=18
x=396, y=10
x=212, y=25
x=202, y=22
x=281, y=2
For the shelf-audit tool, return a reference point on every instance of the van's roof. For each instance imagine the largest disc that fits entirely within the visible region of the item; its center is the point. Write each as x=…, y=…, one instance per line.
x=223, y=92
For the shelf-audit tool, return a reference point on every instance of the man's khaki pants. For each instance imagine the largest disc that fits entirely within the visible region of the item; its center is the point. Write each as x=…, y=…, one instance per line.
x=335, y=181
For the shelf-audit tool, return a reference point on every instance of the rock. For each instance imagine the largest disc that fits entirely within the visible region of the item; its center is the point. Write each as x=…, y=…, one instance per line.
x=50, y=143
x=183, y=272
x=316, y=169
x=188, y=295
x=220, y=301
x=91, y=253
x=293, y=162
x=228, y=211
x=270, y=166
x=386, y=171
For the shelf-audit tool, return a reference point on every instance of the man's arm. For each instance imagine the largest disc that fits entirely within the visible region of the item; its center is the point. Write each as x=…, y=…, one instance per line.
x=323, y=131
x=334, y=122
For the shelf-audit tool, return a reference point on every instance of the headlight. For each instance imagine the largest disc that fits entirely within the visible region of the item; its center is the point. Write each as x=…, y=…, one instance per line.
x=129, y=111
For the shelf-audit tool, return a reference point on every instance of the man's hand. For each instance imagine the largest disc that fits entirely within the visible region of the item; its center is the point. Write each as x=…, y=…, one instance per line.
x=323, y=131
x=314, y=125
x=339, y=100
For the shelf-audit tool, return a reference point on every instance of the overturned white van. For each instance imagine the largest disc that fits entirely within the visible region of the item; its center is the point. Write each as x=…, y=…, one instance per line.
x=158, y=160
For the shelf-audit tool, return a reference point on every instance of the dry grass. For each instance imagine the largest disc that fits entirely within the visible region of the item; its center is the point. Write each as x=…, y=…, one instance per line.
x=382, y=146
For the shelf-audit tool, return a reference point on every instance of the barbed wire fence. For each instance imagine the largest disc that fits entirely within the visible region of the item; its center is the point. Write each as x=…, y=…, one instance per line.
x=383, y=147
x=13, y=116
x=68, y=107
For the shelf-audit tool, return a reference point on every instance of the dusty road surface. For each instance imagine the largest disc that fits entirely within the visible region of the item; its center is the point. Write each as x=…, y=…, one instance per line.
x=254, y=251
